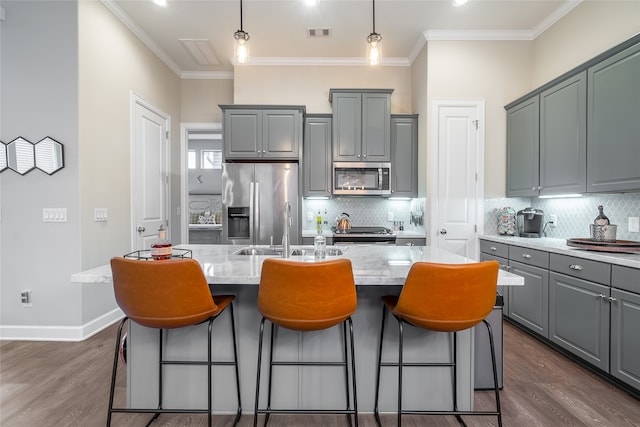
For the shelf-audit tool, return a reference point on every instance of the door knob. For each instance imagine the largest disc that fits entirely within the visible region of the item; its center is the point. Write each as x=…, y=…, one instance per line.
x=443, y=231
x=140, y=229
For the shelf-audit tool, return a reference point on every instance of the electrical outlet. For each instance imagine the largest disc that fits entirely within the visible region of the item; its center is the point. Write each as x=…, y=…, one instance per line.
x=389, y=216
x=634, y=224
x=25, y=298
x=309, y=215
x=553, y=220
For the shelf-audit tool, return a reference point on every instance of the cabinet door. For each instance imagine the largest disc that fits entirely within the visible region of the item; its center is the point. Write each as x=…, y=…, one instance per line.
x=503, y=290
x=529, y=304
x=563, y=137
x=347, y=127
x=579, y=318
x=242, y=134
x=317, y=156
x=625, y=339
x=613, y=128
x=523, y=147
x=404, y=158
x=376, y=133
x=281, y=134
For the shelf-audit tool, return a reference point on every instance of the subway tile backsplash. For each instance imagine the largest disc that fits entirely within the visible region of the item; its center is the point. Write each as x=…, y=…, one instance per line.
x=574, y=214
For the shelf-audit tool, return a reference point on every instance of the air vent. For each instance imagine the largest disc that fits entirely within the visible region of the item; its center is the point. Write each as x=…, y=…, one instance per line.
x=319, y=32
x=201, y=51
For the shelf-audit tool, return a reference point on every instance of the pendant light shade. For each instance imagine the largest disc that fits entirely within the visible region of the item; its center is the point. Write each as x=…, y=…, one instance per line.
x=374, y=39
x=241, y=37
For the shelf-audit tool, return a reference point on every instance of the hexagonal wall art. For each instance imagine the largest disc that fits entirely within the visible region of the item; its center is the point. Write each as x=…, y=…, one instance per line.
x=49, y=155
x=3, y=156
x=20, y=155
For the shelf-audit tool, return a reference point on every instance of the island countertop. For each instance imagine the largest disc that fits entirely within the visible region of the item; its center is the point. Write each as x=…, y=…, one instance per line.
x=372, y=264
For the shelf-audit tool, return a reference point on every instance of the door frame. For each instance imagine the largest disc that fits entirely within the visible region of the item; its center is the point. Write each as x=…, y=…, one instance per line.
x=433, y=174
x=135, y=99
x=185, y=128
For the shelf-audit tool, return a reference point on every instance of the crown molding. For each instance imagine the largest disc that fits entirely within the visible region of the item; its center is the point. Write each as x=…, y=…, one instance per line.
x=207, y=75
x=470, y=35
x=555, y=16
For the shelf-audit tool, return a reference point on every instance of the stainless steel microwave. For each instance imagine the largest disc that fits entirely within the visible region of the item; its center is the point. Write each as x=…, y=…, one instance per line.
x=361, y=178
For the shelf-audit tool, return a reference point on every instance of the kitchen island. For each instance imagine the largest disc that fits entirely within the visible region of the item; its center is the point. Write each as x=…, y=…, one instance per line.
x=378, y=270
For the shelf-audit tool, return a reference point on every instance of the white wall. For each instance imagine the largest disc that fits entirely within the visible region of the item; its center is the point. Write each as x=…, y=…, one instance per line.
x=39, y=96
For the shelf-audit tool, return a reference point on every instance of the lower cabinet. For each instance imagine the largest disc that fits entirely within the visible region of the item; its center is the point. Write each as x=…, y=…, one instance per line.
x=528, y=304
x=502, y=290
x=625, y=318
x=579, y=318
x=309, y=241
x=411, y=241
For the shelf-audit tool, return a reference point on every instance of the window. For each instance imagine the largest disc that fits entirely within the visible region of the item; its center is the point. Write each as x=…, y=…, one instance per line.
x=211, y=159
x=191, y=159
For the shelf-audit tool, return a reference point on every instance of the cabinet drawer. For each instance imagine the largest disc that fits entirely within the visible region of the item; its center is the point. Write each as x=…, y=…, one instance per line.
x=529, y=256
x=626, y=278
x=504, y=264
x=581, y=268
x=493, y=248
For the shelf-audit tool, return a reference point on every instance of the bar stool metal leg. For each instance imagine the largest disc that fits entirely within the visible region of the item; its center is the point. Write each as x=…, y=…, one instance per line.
x=353, y=374
x=376, y=410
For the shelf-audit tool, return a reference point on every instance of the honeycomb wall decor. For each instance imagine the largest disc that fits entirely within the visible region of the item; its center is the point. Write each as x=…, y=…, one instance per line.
x=22, y=156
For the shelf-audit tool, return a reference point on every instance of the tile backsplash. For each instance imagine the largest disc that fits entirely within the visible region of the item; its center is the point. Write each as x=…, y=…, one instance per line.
x=574, y=214
x=363, y=211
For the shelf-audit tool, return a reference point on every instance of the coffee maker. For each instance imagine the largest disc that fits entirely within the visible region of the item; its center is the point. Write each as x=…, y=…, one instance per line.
x=530, y=222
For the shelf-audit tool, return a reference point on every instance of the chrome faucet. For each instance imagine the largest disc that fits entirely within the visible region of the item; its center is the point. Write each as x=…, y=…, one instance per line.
x=286, y=244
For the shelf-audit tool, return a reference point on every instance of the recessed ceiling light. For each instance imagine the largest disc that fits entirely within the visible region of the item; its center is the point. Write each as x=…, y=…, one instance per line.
x=311, y=3
x=459, y=2
x=162, y=3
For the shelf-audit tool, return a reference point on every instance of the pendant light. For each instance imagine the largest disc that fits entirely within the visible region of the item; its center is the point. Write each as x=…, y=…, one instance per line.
x=241, y=50
x=373, y=42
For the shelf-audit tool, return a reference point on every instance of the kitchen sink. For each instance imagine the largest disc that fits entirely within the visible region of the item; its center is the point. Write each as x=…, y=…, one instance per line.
x=258, y=251
x=329, y=251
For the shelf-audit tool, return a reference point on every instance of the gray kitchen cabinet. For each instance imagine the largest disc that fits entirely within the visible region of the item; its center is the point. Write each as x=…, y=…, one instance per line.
x=529, y=304
x=523, y=148
x=317, y=155
x=309, y=241
x=262, y=132
x=498, y=252
x=404, y=155
x=625, y=318
x=563, y=137
x=613, y=109
x=361, y=124
x=579, y=318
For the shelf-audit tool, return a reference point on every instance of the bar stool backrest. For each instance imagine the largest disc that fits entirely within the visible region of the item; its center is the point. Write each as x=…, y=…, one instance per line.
x=307, y=296
x=448, y=297
x=162, y=294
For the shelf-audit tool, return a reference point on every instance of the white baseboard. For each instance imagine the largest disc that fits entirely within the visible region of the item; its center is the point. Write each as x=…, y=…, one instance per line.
x=60, y=333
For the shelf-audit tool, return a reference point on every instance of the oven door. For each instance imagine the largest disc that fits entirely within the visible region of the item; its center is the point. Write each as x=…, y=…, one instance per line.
x=362, y=239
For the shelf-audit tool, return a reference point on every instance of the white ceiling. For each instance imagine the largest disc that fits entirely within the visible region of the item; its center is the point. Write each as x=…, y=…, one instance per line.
x=278, y=28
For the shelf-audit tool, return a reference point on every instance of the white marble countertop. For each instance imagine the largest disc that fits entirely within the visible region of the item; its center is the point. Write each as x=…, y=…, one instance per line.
x=559, y=246
x=372, y=264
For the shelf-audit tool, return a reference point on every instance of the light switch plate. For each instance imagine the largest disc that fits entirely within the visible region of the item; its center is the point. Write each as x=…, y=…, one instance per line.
x=54, y=214
x=634, y=224
x=100, y=214
x=390, y=216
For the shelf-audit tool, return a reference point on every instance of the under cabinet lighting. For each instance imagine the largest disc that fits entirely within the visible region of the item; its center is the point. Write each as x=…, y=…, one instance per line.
x=560, y=196
x=317, y=198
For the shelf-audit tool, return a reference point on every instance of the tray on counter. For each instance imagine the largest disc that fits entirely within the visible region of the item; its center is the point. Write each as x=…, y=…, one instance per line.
x=146, y=254
x=620, y=246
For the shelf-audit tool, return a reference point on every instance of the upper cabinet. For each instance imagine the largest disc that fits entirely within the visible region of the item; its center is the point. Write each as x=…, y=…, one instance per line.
x=317, y=155
x=613, y=156
x=404, y=155
x=253, y=132
x=546, y=141
x=361, y=124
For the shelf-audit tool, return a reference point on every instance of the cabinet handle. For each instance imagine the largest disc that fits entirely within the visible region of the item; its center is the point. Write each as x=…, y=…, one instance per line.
x=358, y=156
x=539, y=187
x=526, y=256
x=601, y=296
x=533, y=188
x=493, y=248
x=612, y=299
x=364, y=155
x=576, y=267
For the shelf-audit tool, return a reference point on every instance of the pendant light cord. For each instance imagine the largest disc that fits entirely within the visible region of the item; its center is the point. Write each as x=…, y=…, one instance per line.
x=374, y=15
x=241, y=16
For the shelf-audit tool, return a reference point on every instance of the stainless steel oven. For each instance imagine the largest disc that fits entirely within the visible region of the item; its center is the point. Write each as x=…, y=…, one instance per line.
x=364, y=235
x=361, y=178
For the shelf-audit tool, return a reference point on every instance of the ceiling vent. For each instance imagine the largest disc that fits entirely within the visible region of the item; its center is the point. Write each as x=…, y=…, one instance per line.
x=319, y=32
x=201, y=51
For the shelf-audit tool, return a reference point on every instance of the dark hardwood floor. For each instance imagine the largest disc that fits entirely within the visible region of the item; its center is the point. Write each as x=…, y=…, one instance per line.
x=66, y=384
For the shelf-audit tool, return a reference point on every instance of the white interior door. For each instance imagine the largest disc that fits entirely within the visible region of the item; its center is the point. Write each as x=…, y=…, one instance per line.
x=150, y=172
x=458, y=183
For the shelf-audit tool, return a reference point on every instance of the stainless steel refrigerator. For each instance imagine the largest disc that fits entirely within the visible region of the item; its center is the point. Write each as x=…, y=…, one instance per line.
x=253, y=200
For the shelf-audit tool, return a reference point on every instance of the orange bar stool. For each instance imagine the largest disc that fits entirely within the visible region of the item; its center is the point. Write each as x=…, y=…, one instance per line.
x=305, y=297
x=167, y=295
x=443, y=298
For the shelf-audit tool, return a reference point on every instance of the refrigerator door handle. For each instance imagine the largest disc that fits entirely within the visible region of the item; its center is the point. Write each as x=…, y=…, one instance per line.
x=256, y=212
x=251, y=213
